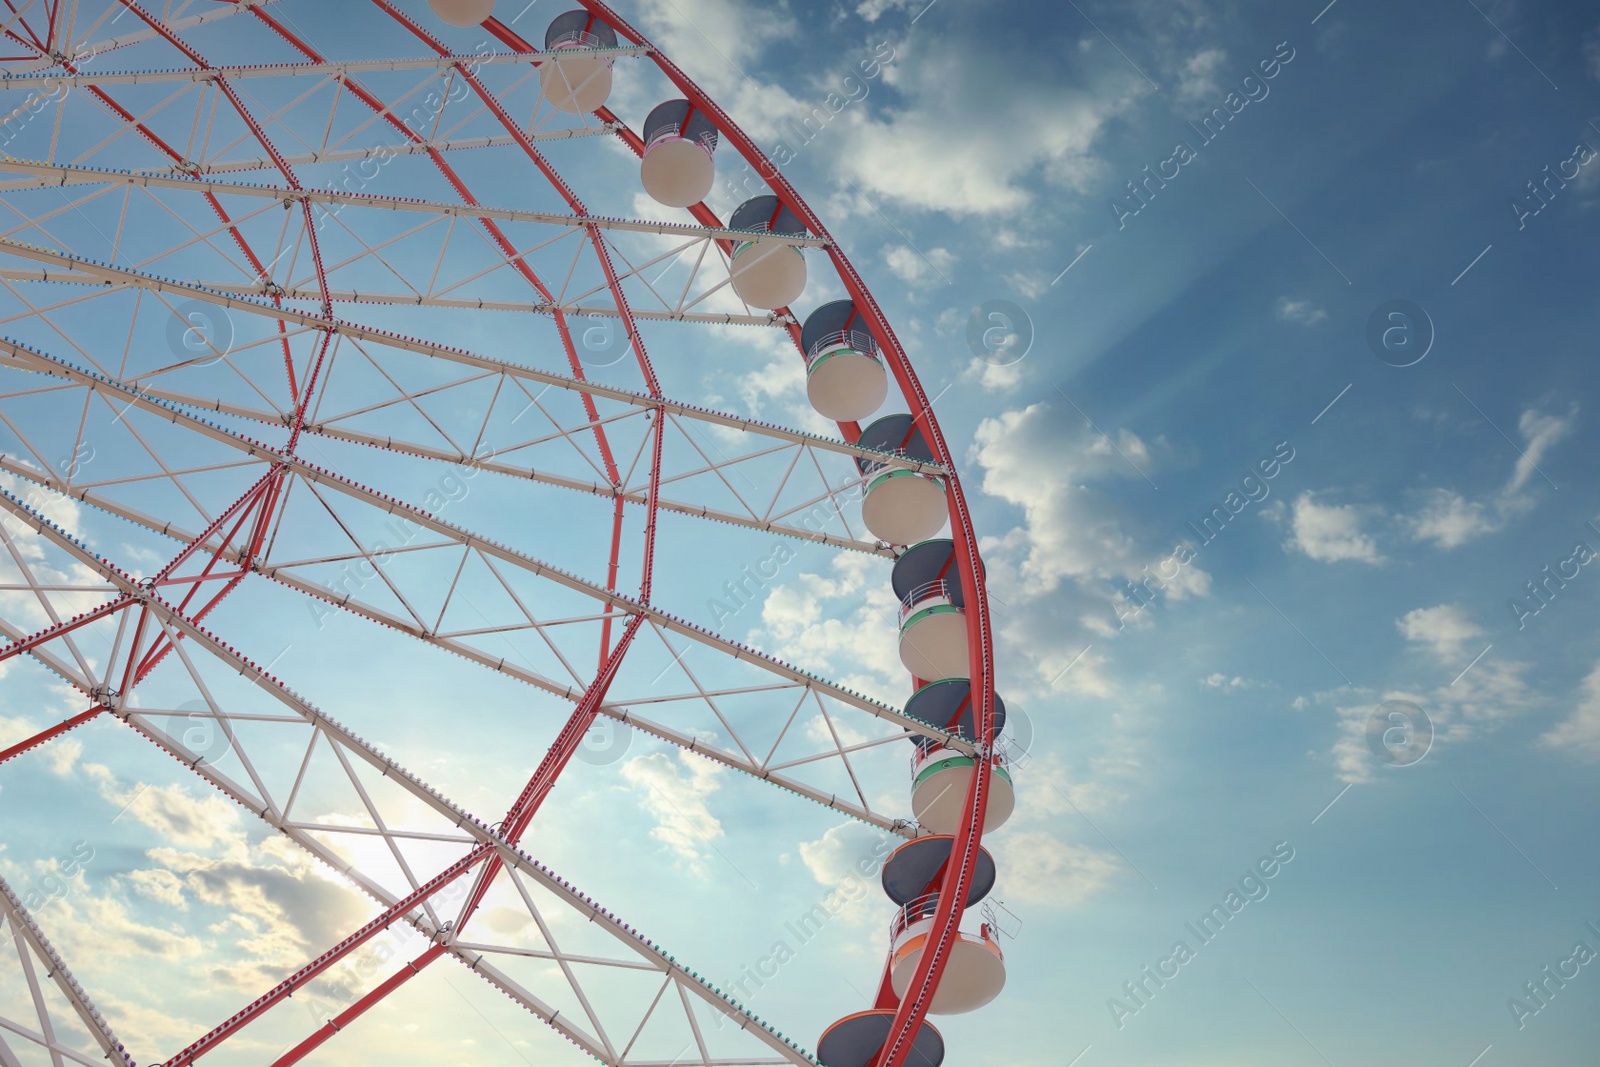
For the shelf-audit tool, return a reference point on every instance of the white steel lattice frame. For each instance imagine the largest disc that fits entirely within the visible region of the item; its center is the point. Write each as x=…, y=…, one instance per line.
x=159, y=618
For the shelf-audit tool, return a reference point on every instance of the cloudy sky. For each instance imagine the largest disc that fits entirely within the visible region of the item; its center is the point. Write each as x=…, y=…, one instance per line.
x=1286, y=496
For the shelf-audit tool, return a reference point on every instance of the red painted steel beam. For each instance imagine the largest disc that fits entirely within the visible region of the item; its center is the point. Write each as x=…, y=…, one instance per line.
x=216, y=524
x=544, y=776
x=133, y=673
x=280, y=992
x=556, y=759
x=355, y=1011
x=32, y=641
x=50, y=734
x=508, y=249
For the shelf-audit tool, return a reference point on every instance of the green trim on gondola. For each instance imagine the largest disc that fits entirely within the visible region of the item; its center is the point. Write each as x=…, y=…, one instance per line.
x=901, y=472
x=923, y=613
x=842, y=350
x=951, y=762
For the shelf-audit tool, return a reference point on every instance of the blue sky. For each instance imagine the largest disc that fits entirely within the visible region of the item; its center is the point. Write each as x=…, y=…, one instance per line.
x=1178, y=354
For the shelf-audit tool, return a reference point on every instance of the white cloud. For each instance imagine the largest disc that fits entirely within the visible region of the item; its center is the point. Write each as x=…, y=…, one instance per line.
x=832, y=858
x=1043, y=871
x=1061, y=571
x=873, y=10
x=1330, y=533
x=1580, y=730
x=1059, y=789
x=1449, y=519
x=1197, y=80
x=88, y=923
x=62, y=756
x=180, y=818
x=1037, y=865
x=778, y=382
x=675, y=792
x=276, y=901
x=61, y=510
x=1221, y=681
x=1445, y=630
x=160, y=885
x=842, y=624
x=711, y=37
x=919, y=268
x=1539, y=432
x=1301, y=311
x=1083, y=672
x=999, y=378
x=1009, y=142
x=1069, y=530
x=1462, y=704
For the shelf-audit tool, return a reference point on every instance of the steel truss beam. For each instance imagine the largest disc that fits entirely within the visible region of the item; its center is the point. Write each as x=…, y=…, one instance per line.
x=50, y=175
x=28, y=938
x=668, y=623
x=491, y=464
x=366, y=333
x=484, y=838
x=405, y=148
x=280, y=70
x=84, y=52
x=352, y=296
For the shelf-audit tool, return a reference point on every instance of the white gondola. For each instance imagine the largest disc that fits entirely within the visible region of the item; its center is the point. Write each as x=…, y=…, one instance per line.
x=933, y=624
x=901, y=506
x=845, y=377
x=462, y=12
x=975, y=968
x=577, y=84
x=933, y=631
x=766, y=274
x=940, y=778
x=677, y=169
x=940, y=775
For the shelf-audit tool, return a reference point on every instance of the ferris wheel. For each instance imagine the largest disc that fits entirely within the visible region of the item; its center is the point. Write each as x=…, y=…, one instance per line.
x=280, y=283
